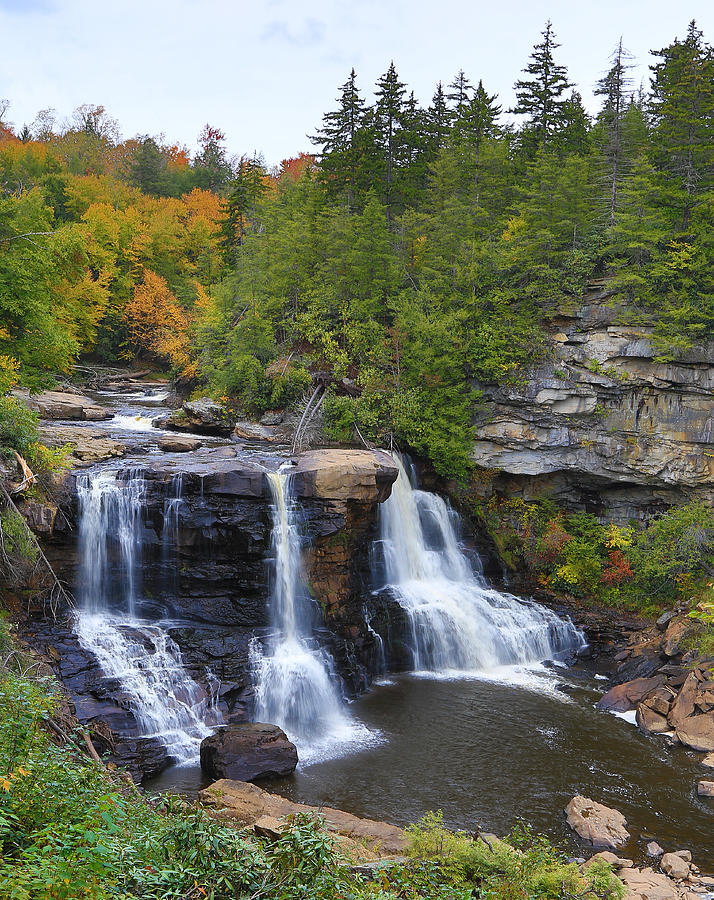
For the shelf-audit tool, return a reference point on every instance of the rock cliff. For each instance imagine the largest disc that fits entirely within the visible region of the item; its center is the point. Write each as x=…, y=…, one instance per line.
x=602, y=424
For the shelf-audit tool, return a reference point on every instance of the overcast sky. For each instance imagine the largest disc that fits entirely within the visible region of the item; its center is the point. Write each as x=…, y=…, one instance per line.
x=265, y=72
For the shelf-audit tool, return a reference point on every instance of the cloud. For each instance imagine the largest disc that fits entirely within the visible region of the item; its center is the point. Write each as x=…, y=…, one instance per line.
x=308, y=34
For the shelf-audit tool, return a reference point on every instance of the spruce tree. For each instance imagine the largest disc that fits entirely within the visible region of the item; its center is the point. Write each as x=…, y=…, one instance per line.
x=459, y=91
x=540, y=96
x=389, y=119
x=437, y=122
x=341, y=154
x=614, y=87
x=682, y=110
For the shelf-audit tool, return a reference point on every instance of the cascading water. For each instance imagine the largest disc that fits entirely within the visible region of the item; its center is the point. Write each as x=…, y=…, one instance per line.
x=457, y=622
x=296, y=684
x=167, y=703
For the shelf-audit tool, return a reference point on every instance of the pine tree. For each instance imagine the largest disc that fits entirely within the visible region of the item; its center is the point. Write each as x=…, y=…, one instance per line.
x=540, y=97
x=341, y=152
x=241, y=205
x=682, y=110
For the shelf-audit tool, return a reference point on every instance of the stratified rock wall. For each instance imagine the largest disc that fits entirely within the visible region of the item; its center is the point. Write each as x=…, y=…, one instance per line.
x=602, y=425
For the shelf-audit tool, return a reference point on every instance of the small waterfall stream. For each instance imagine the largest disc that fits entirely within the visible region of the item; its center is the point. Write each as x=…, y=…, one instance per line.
x=457, y=622
x=296, y=683
x=167, y=703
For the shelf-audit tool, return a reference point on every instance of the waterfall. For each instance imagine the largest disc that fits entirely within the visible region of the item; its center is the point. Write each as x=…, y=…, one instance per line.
x=456, y=621
x=297, y=687
x=166, y=702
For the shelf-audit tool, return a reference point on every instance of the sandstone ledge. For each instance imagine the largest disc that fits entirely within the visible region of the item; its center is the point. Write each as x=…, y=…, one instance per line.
x=246, y=803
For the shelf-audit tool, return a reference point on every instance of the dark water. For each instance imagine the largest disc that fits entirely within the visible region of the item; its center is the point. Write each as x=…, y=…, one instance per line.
x=490, y=753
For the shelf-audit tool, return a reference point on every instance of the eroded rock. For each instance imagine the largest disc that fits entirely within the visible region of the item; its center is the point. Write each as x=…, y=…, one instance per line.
x=705, y=788
x=646, y=884
x=246, y=803
x=248, y=752
x=64, y=405
x=364, y=476
x=626, y=696
x=675, y=866
x=594, y=822
x=179, y=443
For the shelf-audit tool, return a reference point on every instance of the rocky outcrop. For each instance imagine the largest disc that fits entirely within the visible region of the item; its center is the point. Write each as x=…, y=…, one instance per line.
x=86, y=446
x=248, y=752
x=254, y=431
x=341, y=476
x=603, y=425
x=203, y=416
x=594, y=822
x=246, y=803
x=64, y=405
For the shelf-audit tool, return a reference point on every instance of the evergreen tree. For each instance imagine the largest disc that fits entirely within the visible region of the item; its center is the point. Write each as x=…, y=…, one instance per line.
x=437, y=122
x=341, y=153
x=614, y=88
x=389, y=112
x=682, y=109
x=211, y=166
x=241, y=205
x=148, y=166
x=459, y=91
x=540, y=96
x=574, y=133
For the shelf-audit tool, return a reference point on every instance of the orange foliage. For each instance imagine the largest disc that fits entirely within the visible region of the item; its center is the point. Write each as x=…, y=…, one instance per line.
x=157, y=322
x=294, y=168
x=618, y=568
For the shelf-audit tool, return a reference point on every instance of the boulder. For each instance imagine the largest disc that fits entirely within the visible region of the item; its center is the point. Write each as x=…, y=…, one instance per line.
x=705, y=788
x=594, y=822
x=248, y=752
x=626, y=696
x=179, y=443
x=245, y=804
x=611, y=859
x=673, y=865
x=654, y=849
x=272, y=417
x=708, y=761
x=677, y=631
x=697, y=732
x=683, y=705
x=365, y=476
x=252, y=431
x=64, y=405
x=204, y=416
x=650, y=721
x=646, y=884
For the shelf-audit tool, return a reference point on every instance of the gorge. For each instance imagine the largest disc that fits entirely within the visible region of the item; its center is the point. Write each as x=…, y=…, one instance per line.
x=228, y=584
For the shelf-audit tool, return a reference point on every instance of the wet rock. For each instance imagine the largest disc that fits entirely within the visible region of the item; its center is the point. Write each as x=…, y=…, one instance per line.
x=624, y=697
x=63, y=405
x=248, y=752
x=673, y=865
x=646, y=884
x=594, y=822
x=697, y=732
x=654, y=849
x=705, y=788
x=364, y=476
x=246, y=803
x=650, y=721
x=708, y=761
x=175, y=443
x=683, y=705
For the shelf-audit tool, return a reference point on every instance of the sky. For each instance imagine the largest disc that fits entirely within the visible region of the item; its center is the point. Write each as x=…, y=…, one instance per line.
x=265, y=71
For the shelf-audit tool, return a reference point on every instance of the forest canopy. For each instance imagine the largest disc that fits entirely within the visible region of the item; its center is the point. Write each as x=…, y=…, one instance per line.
x=418, y=252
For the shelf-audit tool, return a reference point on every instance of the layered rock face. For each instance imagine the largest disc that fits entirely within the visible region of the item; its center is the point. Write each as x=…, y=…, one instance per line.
x=602, y=425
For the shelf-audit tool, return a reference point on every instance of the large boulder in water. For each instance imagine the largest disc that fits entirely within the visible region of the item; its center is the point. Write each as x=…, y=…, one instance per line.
x=248, y=752
x=203, y=416
x=364, y=476
x=602, y=826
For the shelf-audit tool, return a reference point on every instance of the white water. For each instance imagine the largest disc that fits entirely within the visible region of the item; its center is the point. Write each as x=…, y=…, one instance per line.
x=458, y=623
x=297, y=687
x=167, y=703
